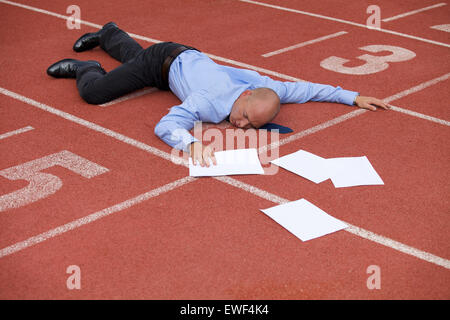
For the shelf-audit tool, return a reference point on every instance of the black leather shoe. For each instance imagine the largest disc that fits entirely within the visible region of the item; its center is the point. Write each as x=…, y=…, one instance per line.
x=67, y=68
x=91, y=40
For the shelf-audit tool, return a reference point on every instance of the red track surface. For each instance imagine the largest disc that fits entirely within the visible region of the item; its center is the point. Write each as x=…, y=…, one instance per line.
x=207, y=239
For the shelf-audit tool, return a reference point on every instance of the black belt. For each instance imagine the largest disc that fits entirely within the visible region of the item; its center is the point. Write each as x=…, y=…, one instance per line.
x=168, y=61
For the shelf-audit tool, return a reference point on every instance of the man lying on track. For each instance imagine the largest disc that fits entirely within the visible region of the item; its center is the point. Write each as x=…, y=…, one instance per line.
x=209, y=92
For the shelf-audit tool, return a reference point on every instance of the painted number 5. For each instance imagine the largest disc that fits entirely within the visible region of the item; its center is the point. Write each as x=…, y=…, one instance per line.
x=43, y=184
x=373, y=63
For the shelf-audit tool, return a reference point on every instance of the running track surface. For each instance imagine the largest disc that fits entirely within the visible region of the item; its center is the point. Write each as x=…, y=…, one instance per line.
x=139, y=228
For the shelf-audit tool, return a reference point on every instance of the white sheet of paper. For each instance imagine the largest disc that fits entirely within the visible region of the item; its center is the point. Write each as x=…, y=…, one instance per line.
x=229, y=162
x=304, y=220
x=355, y=171
x=304, y=164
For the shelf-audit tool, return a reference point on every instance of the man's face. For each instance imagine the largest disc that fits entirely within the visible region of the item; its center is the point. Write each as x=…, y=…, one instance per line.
x=252, y=113
x=239, y=116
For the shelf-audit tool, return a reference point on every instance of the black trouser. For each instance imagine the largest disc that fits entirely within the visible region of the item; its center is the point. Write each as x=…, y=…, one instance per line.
x=141, y=68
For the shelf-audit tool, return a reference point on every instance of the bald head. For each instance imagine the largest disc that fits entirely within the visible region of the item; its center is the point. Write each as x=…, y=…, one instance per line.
x=265, y=105
x=254, y=108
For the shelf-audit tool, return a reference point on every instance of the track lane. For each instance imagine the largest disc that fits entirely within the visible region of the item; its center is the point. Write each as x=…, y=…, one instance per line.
x=212, y=249
x=96, y=53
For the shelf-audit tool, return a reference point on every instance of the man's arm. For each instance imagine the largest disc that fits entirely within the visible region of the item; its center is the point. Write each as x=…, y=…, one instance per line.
x=174, y=128
x=301, y=92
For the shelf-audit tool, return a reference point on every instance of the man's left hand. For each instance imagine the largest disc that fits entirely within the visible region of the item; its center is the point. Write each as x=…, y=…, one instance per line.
x=371, y=103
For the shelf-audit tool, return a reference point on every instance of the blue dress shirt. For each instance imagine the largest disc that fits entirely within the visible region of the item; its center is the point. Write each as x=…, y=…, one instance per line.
x=208, y=90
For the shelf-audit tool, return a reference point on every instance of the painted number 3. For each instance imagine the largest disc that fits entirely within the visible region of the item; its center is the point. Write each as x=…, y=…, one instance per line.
x=373, y=63
x=40, y=184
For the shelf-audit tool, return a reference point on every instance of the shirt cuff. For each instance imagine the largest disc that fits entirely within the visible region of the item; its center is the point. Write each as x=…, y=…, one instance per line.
x=187, y=148
x=187, y=144
x=184, y=139
x=348, y=97
x=354, y=100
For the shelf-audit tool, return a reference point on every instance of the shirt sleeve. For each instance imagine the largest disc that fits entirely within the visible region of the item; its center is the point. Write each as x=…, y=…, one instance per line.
x=174, y=127
x=301, y=92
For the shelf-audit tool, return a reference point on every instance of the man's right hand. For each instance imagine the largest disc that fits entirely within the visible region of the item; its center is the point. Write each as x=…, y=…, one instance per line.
x=202, y=154
x=371, y=103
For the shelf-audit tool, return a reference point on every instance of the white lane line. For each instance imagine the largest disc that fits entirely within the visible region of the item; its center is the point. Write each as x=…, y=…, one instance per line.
x=13, y=133
x=57, y=15
x=315, y=15
x=346, y=22
x=303, y=44
x=241, y=185
x=129, y=96
x=61, y=16
x=421, y=115
x=385, y=241
x=88, y=124
x=252, y=189
x=418, y=88
x=442, y=27
x=312, y=130
x=93, y=217
x=413, y=12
